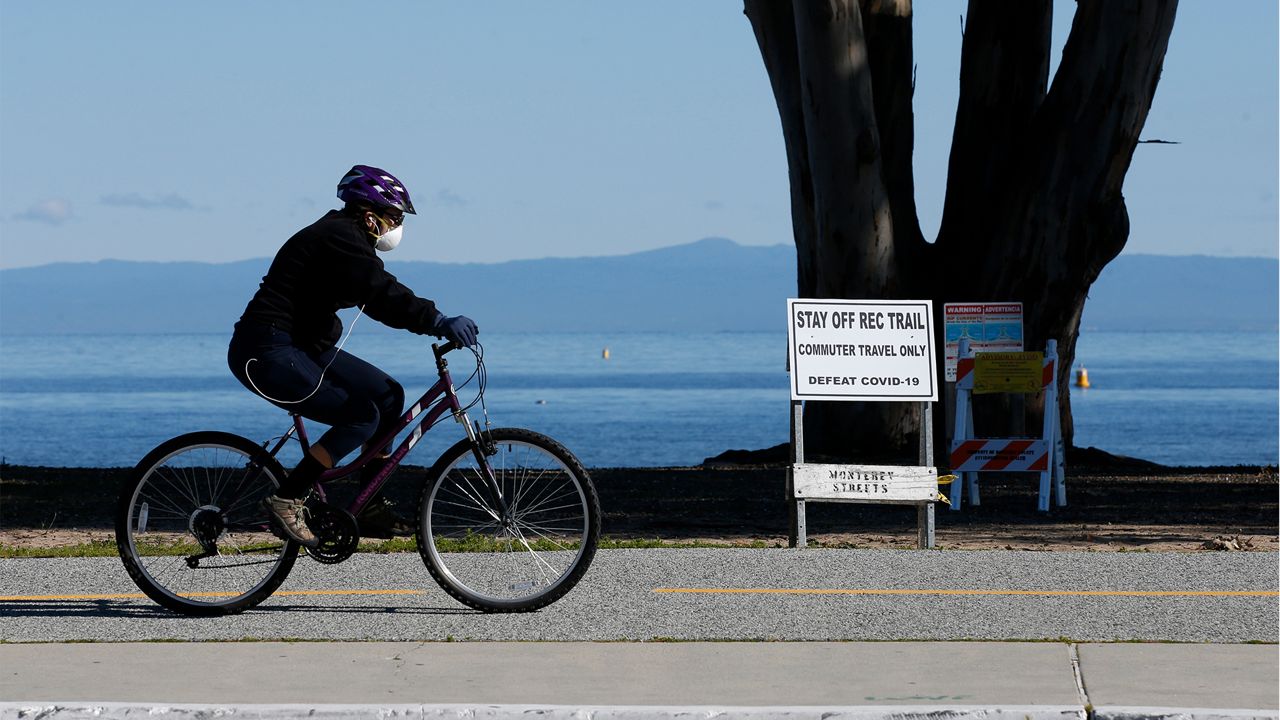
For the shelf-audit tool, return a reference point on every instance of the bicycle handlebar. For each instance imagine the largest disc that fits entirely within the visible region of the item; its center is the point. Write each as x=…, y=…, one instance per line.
x=442, y=350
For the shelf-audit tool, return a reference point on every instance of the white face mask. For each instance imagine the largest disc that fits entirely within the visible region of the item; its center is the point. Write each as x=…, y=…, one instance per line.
x=390, y=239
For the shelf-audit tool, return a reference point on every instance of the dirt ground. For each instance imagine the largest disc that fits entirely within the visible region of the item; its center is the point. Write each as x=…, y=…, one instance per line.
x=1108, y=509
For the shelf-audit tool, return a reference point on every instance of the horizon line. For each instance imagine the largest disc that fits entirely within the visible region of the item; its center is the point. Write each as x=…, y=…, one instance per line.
x=718, y=239
x=701, y=241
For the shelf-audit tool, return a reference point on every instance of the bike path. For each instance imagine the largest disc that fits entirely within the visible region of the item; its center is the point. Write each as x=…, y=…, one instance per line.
x=640, y=680
x=693, y=595
x=1214, y=602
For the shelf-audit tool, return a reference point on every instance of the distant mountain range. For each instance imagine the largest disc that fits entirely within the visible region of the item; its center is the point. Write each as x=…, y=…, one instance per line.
x=706, y=286
x=1185, y=292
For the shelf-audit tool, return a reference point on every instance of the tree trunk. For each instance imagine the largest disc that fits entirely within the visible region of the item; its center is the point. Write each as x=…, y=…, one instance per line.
x=1033, y=208
x=819, y=65
x=774, y=24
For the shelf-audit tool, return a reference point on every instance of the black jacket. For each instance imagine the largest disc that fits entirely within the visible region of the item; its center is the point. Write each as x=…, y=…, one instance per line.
x=325, y=267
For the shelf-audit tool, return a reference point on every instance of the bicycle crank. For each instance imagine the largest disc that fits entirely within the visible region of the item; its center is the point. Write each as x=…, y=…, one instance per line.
x=337, y=531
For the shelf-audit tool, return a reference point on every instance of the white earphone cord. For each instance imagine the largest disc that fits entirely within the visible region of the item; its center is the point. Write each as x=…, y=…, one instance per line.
x=320, y=382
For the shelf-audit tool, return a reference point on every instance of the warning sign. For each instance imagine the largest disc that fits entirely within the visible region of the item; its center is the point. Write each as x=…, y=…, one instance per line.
x=989, y=327
x=867, y=350
x=1007, y=372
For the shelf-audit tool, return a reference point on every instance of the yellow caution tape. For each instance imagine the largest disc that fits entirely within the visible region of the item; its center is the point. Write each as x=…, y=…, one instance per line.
x=945, y=480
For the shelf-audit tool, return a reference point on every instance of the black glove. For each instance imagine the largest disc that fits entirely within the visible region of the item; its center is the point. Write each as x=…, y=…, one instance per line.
x=460, y=329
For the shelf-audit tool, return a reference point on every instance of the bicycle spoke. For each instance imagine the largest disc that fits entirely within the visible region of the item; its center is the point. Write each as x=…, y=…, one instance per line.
x=480, y=504
x=533, y=554
x=252, y=472
x=187, y=497
x=548, y=538
x=245, y=503
x=165, y=513
x=175, y=505
x=469, y=522
x=472, y=528
x=542, y=506
x=208, y=483
x=553, y=528
x=461, y=495
x=543, y=499
x=524, y=489
x=537, y=557
x=183, y=478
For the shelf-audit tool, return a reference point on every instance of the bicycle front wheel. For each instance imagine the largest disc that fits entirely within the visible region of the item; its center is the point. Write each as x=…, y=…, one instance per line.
x=526, y=557
x=191, y=529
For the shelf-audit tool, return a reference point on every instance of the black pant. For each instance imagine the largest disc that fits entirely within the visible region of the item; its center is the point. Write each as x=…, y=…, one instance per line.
x=357, y=400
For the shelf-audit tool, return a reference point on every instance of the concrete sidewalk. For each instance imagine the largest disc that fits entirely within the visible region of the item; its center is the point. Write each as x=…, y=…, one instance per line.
x=640, y=680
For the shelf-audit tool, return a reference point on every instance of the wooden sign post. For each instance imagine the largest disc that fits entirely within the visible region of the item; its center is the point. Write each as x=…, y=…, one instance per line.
x=862, y=351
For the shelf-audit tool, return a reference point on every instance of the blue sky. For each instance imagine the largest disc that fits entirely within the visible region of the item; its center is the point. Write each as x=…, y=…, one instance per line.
x=155, y=130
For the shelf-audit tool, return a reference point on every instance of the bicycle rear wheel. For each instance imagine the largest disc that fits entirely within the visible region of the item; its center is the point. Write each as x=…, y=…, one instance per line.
x=191, y=530
x=528, y=558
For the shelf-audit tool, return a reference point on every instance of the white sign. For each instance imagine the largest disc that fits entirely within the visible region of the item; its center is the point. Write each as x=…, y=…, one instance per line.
x=865, y=483
x=866, y=350
x=989, y=327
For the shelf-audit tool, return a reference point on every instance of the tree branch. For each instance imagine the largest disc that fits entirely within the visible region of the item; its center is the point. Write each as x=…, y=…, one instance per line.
x=1095, y=110
x=887, y=26
x=1064, y=216
x=852, y=215
x=1004, y=72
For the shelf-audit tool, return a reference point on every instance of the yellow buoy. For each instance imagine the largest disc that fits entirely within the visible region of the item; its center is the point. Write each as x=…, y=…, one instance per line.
x=1082, y=377
x=605, y=354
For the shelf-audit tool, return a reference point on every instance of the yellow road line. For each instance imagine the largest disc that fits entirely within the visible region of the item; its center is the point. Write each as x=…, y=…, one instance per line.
x=721, y=591
x=134, y=596
x=870, y=591
x=349, y=592
x=119, y=596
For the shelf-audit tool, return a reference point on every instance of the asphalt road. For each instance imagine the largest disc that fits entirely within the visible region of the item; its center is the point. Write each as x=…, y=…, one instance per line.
x=715, y=594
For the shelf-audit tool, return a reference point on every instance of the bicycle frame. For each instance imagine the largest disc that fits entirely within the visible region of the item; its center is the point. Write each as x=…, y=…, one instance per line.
x=437, y=400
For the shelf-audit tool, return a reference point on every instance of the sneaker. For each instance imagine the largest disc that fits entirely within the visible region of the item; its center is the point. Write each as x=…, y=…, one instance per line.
x=379, y=519
x=291, y=517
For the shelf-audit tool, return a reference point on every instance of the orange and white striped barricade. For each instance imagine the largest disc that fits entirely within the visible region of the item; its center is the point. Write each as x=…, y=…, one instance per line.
x=971, y=455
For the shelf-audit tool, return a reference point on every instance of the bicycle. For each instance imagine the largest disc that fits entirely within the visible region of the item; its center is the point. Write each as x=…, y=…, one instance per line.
x=507, y=519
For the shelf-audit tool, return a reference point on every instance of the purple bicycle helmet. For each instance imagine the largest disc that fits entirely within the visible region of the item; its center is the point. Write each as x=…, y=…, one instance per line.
x=365, y=185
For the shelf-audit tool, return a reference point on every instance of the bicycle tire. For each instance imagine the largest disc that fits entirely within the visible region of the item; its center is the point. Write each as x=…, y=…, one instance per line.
x=497, y=569
x=204, y=487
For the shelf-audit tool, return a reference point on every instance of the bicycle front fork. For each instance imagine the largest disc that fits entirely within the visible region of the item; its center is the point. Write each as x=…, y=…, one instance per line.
x=482, y=448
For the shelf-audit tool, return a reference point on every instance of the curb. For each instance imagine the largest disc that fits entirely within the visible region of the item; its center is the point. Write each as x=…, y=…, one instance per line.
x=182, y=711
x=123, y=711
x=1123, y=712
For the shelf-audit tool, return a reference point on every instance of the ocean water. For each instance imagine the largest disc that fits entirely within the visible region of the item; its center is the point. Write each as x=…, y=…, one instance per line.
x=657, y=400
x=1180, y=398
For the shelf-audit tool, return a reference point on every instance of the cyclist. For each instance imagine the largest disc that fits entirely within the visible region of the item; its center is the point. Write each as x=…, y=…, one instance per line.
x=283, y=347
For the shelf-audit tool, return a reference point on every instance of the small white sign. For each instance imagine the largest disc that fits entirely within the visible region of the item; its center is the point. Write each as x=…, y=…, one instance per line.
x=864, y=350
x=865, y=483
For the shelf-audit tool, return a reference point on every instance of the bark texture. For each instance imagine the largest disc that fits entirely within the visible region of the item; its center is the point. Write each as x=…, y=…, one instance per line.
x=1033, y=209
